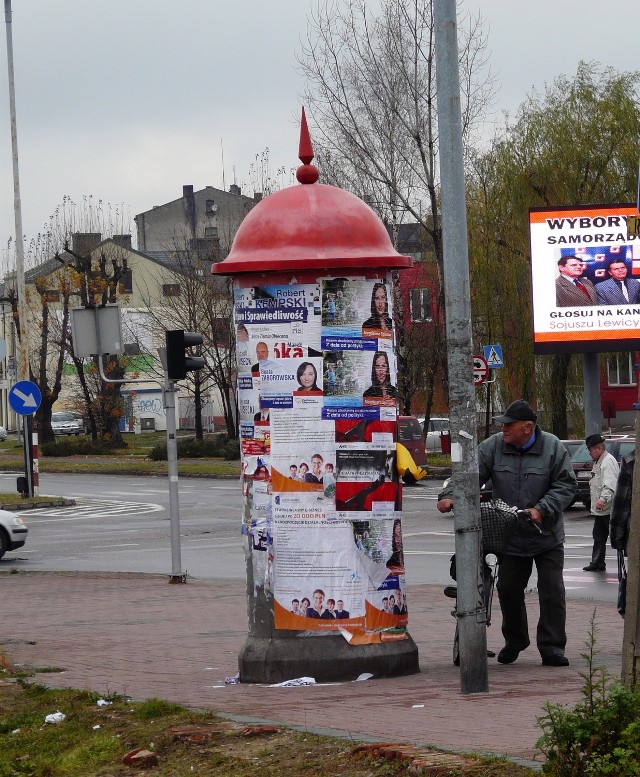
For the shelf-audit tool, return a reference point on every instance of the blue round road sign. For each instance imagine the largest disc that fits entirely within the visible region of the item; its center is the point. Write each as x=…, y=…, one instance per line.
x=24, y=397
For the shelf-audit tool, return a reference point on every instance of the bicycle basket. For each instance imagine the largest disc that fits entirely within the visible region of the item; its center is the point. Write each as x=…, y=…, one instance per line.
x=497, y=519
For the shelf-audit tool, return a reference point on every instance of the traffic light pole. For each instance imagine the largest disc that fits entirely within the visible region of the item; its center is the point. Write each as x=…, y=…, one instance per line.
x=170, y=392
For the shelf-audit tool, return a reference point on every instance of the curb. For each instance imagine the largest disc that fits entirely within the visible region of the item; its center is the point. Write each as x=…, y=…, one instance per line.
x=40, y=503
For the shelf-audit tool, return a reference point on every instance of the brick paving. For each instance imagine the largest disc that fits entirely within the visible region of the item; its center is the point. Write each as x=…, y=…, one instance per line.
x=138, y=635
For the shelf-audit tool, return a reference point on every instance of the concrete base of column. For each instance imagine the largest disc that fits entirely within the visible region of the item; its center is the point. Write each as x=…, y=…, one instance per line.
x=325, y=658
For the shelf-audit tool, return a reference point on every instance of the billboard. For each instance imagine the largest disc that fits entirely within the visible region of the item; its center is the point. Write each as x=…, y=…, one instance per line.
x=585, y=273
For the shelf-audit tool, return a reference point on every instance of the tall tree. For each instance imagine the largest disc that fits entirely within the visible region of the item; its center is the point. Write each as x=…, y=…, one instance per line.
x=574, y=144
x=372, y=96
x=63, y=273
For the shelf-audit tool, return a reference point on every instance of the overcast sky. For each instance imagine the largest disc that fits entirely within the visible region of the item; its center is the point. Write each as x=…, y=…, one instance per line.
x=127, y=100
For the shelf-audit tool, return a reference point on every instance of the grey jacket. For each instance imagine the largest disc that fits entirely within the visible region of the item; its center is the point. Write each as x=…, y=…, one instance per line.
x=541, y=477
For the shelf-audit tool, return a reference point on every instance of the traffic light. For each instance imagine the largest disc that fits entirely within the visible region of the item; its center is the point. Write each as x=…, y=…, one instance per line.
x=178, y=362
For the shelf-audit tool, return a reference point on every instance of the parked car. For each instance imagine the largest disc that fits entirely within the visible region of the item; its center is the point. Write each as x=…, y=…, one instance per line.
x=433, y=432
x=67, y=422
x=3, y=434
x=583, y=463
x=572, y=446
x=13, y=532
x=409, y=433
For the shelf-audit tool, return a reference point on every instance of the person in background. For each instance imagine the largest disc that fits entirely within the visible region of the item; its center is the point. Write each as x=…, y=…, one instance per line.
x=621, y=505
x=602, y=487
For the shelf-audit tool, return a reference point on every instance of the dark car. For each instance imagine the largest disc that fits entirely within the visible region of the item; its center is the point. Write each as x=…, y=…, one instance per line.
x=583, y=463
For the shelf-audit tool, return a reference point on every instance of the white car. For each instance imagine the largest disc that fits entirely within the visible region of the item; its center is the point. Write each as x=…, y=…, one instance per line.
x=433, y=437
x=67, y=422
x=13, y=532
x=3, y=434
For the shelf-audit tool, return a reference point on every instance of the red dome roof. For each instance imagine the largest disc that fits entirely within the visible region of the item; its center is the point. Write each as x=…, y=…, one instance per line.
x=312, y=226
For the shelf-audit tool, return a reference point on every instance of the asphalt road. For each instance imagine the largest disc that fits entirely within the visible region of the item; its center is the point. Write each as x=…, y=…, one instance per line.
x=121, y=524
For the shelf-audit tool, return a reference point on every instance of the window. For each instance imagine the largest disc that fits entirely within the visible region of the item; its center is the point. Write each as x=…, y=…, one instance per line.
x=126, y=282
x=421, y=304
x=171, y=289
x=620, y=369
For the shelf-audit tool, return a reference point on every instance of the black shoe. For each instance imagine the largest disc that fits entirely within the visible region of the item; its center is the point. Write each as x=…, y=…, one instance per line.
x=594, y=568
x=555, y=660
x=508, y=655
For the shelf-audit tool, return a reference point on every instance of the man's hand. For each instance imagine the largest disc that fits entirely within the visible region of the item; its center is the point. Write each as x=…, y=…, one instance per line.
x=536, y=515
x=445, y=505
x=600, y=504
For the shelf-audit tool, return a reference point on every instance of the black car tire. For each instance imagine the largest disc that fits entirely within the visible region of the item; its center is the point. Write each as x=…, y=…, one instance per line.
x=587, y=504
x=4, y=542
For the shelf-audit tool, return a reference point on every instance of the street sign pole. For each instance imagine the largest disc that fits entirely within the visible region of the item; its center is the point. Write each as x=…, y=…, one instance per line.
x=462, y=399
x=25, y=399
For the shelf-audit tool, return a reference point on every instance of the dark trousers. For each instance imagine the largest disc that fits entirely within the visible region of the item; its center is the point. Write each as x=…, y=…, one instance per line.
x=513, y=576
x=600, y=536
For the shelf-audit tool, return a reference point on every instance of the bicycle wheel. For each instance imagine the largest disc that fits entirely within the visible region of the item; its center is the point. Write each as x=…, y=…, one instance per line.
x=456, y=648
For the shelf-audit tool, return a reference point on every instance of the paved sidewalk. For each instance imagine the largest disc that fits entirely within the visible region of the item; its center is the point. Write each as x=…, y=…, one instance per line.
x=135, y=634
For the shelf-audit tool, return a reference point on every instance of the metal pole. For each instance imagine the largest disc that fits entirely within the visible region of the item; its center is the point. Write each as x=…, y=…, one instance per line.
x=23, y=368
x=170, y=392
x=591, y=377
x=28, y=465
x=462, y=399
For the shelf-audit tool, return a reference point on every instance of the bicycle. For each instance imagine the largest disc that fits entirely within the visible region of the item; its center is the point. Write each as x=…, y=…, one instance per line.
x=497, y=521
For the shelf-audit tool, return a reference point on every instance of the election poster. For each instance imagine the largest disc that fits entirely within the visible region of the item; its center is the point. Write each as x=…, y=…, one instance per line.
x=585, y=279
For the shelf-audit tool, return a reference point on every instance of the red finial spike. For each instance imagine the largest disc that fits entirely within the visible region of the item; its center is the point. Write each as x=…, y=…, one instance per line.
x=306, y=173
x=305, y=150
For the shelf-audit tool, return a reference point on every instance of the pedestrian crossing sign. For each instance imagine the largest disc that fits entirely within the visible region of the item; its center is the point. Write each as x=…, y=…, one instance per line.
x=493, y=356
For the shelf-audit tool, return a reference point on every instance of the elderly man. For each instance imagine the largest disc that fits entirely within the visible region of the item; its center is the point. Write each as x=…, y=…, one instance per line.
x=602, y=487
x=529, y=469
x=572, y=290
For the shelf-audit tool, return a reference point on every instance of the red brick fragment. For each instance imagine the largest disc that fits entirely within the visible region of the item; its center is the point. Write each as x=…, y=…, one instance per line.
x=140, y=757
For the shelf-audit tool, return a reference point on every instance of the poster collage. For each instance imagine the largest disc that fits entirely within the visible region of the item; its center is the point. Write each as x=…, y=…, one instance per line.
x=322, y=500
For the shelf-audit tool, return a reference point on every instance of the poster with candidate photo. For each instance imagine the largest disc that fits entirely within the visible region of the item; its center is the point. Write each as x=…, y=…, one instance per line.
x=585, y=279
x=357, y=307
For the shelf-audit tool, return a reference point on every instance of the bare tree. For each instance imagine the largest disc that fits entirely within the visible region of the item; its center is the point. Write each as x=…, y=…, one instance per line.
x=60, y=275
x=371, y=90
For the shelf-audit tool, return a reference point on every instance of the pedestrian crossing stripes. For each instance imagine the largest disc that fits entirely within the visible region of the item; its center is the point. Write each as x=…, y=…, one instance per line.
x=92, y=508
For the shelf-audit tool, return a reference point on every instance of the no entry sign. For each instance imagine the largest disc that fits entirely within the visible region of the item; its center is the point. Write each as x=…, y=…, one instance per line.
x=480, y=370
